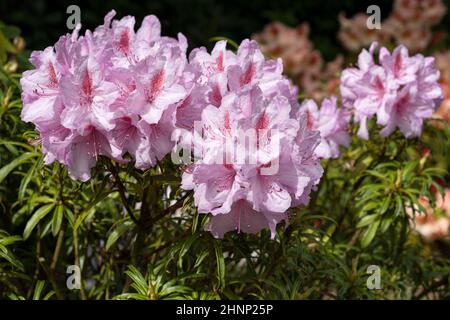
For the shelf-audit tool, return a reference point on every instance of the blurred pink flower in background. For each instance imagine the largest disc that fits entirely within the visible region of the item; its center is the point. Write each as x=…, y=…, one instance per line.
x=290, y=44
x=443, y=64
x=354, y=34
x=427, y=12
x=435, y=223
x=409, y=23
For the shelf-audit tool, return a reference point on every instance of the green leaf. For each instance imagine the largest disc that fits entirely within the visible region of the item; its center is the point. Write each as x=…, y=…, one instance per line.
x=15, y=163
x=129, y=296
x=26, y=180
x=366, y=220
x=37, y=216
x=49, y=295
x=185, y=248
x=200, y=258
x=140, y=284
x=90, y=208
x=41, y=199
x=7, y=143
x=57, y=219
x=5, y=46
x=369, y=234
x=385, y=205
x=6, y=241
x=376, y=174
x=120, y=229
x=38, y=289
x=385, y=223
x=220, y=265
x=13, y=296
x=408, y=170
x=369, y=206
x=8, y=256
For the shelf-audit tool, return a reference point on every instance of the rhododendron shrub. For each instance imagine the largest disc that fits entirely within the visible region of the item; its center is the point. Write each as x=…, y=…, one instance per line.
x=114, y=92
x=204, y=173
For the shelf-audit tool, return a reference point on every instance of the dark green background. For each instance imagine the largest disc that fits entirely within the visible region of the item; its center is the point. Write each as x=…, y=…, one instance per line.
x=42, y=21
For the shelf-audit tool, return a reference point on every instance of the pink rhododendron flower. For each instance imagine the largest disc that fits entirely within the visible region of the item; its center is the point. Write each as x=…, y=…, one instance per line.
x=109, y=92
x=156, y=80
x=257, y=153
x=87, y=97
x=209, y=77
x=401, y=91
x=332, y=123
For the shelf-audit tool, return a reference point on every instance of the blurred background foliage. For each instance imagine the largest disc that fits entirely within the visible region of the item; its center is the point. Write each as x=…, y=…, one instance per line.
x=361, y=214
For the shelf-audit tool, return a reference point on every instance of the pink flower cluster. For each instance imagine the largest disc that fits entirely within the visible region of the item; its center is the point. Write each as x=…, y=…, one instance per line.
x=123, y=93
x=243, y=95
x=401, y=90
x=110, y=92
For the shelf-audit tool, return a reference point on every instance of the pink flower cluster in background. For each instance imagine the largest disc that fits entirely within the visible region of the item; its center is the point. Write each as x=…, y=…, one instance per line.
x=410, y=23
x=354, y=34
x=401, y=91
x=443, y=65
x=303, y=63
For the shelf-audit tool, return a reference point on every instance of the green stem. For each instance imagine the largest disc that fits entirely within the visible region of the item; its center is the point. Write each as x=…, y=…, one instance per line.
x=78, y=262
x=122, y=192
